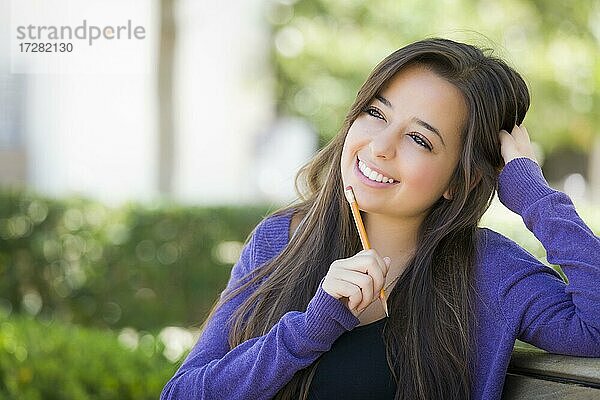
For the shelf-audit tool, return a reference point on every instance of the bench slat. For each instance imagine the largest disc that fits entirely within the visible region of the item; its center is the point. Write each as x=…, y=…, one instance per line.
x=540, y=364
x=527, y=388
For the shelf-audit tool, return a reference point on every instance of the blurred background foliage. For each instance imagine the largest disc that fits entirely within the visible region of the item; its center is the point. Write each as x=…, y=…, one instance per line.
x=324, y=50
x=79, y=261
x=90, y=295
x=53, y=361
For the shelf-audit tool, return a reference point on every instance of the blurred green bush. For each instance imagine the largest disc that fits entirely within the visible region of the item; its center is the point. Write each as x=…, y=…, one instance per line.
x=79, y=261
x=52, y=361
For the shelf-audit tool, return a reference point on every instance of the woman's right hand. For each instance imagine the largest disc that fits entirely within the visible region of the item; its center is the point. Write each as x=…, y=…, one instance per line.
x=357, y=280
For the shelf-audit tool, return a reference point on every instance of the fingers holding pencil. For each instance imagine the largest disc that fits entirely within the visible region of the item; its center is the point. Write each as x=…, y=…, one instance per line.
x=356, y=280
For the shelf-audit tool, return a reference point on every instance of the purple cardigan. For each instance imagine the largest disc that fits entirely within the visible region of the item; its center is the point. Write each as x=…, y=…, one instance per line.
x=518, y=298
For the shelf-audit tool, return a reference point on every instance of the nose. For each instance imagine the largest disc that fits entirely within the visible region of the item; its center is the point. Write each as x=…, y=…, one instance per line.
x=383, y=145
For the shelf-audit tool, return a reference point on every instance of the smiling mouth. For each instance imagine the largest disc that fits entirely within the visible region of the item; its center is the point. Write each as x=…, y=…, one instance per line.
x=371, y=176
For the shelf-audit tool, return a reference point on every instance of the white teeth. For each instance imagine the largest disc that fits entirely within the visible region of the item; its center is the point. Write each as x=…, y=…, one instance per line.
x=374, y=176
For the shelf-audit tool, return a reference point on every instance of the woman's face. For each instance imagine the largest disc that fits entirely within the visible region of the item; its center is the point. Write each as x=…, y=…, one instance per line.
x=411, y=133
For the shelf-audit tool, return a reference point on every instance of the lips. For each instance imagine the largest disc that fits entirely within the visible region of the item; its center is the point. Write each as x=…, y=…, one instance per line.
x=368, y=182
x=373, y=168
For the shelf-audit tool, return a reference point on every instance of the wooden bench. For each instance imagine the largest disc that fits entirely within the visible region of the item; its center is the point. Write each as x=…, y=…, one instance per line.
x=534, y=374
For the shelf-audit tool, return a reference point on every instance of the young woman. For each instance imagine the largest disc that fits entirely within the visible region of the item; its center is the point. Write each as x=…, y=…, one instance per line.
x=425, y=146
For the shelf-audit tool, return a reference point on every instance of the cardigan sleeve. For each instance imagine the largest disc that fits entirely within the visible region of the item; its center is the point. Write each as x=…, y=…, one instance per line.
x=545, y=311
x=259, y=367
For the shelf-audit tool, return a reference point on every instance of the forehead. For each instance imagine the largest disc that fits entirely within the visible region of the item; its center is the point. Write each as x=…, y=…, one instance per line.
x=416, y=91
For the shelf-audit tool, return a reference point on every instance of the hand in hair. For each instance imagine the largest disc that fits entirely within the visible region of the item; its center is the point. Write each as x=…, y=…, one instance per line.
x=357, y=280
x=516, y=144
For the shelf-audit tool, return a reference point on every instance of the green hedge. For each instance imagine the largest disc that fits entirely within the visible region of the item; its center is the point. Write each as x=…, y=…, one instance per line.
x=80, y=261
x=59, y=361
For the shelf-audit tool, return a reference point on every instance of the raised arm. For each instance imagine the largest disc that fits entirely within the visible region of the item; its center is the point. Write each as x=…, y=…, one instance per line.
x=261, y=366
x=557, y=317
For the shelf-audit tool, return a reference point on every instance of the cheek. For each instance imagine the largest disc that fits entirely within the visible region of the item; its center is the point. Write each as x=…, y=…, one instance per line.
x=354, y=140
x=360, y=129
x=424, y=178
x=348, y=153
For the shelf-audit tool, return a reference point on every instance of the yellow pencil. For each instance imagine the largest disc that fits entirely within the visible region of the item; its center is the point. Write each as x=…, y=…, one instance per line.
x=363, y=236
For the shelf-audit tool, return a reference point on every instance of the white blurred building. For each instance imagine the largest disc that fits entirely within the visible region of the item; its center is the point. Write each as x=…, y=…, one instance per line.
x=96, y=134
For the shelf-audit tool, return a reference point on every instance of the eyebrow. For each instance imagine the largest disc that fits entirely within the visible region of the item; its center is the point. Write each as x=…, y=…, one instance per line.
x=414, y=119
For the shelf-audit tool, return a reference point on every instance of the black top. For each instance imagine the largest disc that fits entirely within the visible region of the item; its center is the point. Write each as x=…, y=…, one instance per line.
x=355, y=367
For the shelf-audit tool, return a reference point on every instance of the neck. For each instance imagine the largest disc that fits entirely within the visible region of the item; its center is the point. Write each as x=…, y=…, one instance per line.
x=394, y=238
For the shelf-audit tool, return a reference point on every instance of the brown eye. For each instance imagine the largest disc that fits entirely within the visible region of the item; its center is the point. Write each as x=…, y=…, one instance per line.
x=373, y=112
x=420, y=141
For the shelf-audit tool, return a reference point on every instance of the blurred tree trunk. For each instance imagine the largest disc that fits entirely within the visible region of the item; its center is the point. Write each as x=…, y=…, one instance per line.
x=166, y=132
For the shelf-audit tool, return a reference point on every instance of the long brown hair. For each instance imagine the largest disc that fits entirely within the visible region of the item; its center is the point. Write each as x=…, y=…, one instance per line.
x=428, y=336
